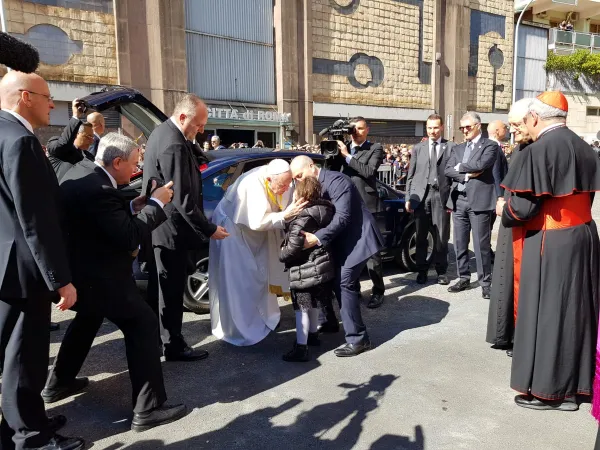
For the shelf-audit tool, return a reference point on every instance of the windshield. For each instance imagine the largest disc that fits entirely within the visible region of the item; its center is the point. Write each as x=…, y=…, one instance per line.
x=142, y=118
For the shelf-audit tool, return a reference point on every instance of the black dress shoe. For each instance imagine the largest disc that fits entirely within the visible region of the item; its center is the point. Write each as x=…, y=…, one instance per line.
x=531, y=402
x=509, y=352
x=58, y=442
x=54, y=326
x=298, y=354
x=376, y=301
x=422, y=278
x=313, y=340
x=187, y=354
x=352, y=349
x=485, y=293
x=55, y=423
x=443, y=279
x=329, y=327
x=460, y=285
x=158, y=416
x=57, y=393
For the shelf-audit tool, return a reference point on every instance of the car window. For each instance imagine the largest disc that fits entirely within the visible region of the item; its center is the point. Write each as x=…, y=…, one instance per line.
x=254, y=163
x=215, y=185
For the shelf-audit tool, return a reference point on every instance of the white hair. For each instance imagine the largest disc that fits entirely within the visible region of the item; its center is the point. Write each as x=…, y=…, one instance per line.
x=520, y=108
x=546, y=112
x=216, y=137
x=471, y=115
x=113, y=146
x=188, y=105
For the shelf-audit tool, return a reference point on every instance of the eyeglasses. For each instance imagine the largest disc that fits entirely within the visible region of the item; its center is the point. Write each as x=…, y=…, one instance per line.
x=48, y=97
x=466, y=128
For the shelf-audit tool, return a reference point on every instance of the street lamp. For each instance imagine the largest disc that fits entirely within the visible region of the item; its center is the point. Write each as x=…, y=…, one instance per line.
x=515, y=54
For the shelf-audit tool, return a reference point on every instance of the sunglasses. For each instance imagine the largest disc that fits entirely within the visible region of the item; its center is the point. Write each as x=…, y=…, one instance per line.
x=466, y=128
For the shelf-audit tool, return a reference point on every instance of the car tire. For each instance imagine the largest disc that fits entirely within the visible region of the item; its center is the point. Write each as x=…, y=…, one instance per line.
x=407, y=250
x=195, y=296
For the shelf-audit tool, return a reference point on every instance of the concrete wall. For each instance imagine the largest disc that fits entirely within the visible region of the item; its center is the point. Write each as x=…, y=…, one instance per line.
x=95, y=63
x=577, y=120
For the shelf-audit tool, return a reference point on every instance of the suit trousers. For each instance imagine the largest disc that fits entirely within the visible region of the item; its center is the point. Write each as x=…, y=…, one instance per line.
x=166, y=287
x=466, y=220
x=347, y=290
x=375, y=269
x=432, y=208
x=132, y=315
x=24, y=328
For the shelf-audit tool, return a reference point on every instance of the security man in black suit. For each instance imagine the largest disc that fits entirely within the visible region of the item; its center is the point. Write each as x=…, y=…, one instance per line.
x=170, y=156
x=34, y=269
x=361, y=160
x=427, y=190
x=472, y=198
x=105, y=232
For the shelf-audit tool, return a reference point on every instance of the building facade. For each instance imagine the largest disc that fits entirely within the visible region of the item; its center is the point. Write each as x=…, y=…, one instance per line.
x=561, y=28
x=282, y=70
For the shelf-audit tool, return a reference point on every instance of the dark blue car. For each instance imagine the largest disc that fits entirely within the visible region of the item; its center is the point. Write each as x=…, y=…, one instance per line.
x=141, y=117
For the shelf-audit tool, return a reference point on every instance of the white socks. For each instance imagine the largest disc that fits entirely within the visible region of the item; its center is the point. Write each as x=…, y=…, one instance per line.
x=306, y=322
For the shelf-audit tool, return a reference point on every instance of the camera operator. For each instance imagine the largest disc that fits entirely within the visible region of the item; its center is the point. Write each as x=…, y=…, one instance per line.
x=361, y=159
x=71, y=146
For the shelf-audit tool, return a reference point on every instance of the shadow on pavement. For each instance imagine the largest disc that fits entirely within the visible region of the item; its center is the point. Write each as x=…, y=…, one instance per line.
x=311, y=429
x=230, y=374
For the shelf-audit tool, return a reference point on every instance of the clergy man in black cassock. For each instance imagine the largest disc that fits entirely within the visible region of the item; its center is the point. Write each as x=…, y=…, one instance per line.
x=556, y=256
x=501, y=316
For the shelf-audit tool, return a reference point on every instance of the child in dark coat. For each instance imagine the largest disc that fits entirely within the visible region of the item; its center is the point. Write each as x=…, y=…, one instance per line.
x=311, y=270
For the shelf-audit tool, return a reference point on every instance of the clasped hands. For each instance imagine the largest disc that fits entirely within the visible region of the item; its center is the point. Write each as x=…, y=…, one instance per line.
x=500, y=206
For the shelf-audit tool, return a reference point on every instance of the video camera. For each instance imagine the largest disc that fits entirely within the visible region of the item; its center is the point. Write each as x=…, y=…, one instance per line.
x=335, y=133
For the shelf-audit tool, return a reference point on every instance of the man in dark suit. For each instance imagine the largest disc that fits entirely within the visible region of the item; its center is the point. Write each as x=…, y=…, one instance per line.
x=105, y=232
x=98, y=124
x=34, y=269
x=170, y=156
x=427, y=190
x=353, y=237
x=498, y=132
x=360, y=162
x=472, y=198
x=71, y=147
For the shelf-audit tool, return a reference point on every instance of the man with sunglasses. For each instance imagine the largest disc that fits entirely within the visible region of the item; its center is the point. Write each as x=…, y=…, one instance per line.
x=472, y=199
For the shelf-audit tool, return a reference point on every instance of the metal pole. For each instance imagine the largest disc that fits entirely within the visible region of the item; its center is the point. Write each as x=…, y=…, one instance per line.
x=515, y=54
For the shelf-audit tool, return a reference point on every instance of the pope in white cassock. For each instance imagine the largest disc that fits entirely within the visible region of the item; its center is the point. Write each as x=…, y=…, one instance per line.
x=244, y=270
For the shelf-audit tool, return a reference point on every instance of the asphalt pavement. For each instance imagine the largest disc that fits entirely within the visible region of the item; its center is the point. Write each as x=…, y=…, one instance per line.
x=430, y=382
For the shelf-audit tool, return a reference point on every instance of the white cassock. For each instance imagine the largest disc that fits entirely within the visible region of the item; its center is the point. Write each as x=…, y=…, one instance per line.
x=244, y=269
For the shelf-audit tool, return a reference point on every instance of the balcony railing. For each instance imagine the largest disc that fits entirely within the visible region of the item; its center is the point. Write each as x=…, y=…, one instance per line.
x=567, y=42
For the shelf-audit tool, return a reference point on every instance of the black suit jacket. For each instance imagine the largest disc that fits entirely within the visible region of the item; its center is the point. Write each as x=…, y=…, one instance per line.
x=33, y=259
x=170, y=157
x=418, y=172
x=481, y=190
x=62, y=152
x=500, y=171
x=103, y=234
x=352, y=233
x=363, y=171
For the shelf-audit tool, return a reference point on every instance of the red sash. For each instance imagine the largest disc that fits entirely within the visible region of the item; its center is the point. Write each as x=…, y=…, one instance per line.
x=556, y=213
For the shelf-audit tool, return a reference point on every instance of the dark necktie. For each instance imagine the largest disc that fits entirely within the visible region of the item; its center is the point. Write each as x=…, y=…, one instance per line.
x=462, y=186
x=433, y=164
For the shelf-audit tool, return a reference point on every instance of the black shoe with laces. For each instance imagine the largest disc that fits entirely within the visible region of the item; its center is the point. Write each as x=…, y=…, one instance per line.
x=58, y=442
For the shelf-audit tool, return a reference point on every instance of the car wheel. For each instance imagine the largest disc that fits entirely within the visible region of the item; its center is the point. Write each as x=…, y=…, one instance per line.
x=195, y=296
x=408, y=248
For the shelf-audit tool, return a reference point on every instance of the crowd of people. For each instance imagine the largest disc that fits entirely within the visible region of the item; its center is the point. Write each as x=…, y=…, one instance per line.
x=69, y=235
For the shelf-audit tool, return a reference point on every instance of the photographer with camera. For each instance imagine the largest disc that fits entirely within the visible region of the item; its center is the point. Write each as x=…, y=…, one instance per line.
x=360, y=161
x=71, y=146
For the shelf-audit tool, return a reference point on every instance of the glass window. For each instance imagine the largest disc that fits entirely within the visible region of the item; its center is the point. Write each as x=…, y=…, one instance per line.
x=214, y=187
x=593, y=111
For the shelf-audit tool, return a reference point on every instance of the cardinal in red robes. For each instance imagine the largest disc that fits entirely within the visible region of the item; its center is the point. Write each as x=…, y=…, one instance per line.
x=556, y=260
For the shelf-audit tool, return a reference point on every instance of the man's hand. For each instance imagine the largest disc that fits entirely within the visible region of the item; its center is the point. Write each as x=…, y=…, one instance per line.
x=475, y=174
x=294, y=209
x=343, y=149
x=138, y=203
x=221, y=233
x=500, y=206
x=75, y=109
x=408, y=208
x=68, y=297
x=164, y=193
x=310, y=240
